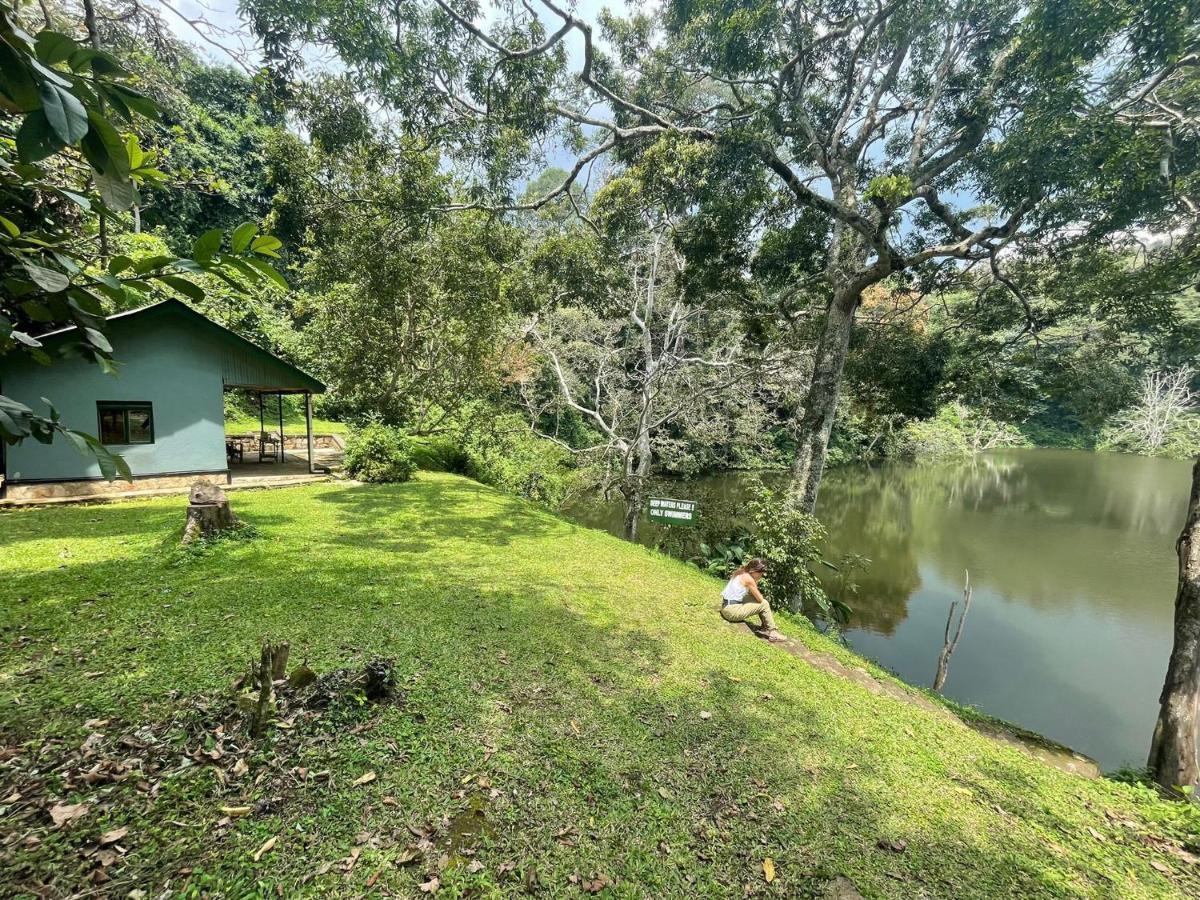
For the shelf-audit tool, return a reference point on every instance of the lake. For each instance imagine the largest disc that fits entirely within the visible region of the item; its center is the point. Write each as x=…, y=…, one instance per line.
x=1072, y=563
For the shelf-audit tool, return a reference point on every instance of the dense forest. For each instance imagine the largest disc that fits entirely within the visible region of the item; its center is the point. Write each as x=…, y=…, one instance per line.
x=663, y=305
x=568, y=253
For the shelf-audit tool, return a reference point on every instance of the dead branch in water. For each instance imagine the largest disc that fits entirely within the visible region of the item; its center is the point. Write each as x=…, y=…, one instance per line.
x=948, y=645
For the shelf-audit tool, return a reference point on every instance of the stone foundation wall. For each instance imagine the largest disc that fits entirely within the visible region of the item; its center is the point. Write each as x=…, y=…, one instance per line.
x=84, y=489
x=300, y=442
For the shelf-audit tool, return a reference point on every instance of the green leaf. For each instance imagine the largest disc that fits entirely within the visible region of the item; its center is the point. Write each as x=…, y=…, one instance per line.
x=36, y=139
x=112, y=466
x=49, y=74
x=47, y=279
x=266, y=244
x=242, y=235
x=118, y=193
x=104, y=149
x=269, y=271
x=22, y=338
x=150, y=263
x=208, y=244
x=65, y=113
x=78, y=199
x=38, y=311
x=134, y=151
x=97, y=339
x=187, y=288
x=137, y=102
x=10, y=227
x=53, y=47
x=16, y=81
x=119, y=264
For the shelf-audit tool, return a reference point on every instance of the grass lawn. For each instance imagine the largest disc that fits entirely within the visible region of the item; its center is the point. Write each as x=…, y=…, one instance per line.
x=574, y=718
x=293, y=424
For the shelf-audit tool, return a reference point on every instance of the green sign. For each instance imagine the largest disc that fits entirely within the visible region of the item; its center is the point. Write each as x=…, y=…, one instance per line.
x=672, y=512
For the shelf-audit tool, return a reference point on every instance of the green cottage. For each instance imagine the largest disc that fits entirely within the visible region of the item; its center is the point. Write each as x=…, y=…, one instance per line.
x=163, y=411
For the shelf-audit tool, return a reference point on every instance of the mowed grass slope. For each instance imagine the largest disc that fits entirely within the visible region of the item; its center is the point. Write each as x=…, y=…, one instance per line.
x=578, y=691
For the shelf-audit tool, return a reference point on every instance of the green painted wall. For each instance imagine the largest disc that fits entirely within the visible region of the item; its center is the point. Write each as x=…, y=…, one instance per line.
x=175, y=367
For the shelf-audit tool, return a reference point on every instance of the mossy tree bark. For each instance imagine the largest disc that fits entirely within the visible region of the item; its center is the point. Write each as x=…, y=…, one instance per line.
x=1173, y=754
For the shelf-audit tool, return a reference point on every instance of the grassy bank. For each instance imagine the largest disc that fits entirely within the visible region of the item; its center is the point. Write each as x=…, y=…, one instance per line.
x=572, y=718
x=293, y=424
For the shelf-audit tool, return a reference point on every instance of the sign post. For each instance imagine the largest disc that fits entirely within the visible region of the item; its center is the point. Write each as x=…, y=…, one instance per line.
x=671, y=512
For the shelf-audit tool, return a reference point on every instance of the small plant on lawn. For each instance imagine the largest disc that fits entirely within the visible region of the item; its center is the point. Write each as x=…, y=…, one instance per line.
x=379, y=454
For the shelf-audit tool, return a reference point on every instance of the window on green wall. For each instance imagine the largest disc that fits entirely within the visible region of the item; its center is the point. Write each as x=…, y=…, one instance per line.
x=125, y=422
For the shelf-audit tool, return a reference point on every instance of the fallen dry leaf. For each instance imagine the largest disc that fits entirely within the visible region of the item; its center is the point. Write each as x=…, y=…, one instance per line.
x=365, y=778
x=241, y=767
x=575, y=726
x=475, y=866
x=705, y=714
x=664, y=793
x=371, y=881
x=265, y=848
x=431, y=885
x=597, y=884
x=1160, y=867
x=896, y=846
x=408, y=855
x=236, y=812
x=352, y=860
x=66, y=813
x=111, y=837
x=769, y=869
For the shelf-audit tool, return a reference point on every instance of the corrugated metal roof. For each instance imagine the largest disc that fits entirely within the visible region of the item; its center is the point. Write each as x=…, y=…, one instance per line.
x=244, y=364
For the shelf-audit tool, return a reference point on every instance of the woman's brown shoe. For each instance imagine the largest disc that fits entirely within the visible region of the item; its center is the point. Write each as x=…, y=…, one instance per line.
x=774, y=636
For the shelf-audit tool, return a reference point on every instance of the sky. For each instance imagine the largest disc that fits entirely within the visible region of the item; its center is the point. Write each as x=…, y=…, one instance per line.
x=224, y=15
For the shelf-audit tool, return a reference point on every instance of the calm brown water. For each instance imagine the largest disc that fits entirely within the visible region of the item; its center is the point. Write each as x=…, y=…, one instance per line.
x=1072, y=561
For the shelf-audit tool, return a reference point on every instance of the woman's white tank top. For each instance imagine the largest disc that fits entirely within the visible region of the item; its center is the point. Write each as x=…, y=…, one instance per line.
x=734, y=592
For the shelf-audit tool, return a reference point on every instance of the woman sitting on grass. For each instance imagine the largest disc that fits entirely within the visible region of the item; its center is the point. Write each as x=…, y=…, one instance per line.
x=736, y=608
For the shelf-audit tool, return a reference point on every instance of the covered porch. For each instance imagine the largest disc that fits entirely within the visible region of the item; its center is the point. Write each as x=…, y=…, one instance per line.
x=269, y=437
x=274, y=448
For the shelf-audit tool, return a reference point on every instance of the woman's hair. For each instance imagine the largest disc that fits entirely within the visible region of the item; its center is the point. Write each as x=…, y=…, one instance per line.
x=758, y=564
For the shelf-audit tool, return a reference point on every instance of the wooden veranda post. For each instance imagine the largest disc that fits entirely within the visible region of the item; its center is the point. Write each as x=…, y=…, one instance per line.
x=308, y=427
x=282, y=454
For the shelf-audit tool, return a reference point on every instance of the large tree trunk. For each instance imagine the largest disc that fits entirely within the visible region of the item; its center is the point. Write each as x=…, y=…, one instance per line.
x=820, y=404
x=1173, y=757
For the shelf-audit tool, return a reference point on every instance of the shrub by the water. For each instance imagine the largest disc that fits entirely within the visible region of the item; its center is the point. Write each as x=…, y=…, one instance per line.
x=379, y=454
x=790, y=540
x=508, y=456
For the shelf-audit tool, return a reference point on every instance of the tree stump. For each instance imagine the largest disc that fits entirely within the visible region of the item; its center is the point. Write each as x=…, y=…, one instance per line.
x=208, y=512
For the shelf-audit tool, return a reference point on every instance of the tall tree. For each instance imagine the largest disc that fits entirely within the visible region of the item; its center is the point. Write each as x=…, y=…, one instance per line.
x=922, y=132
x=1174, y=761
